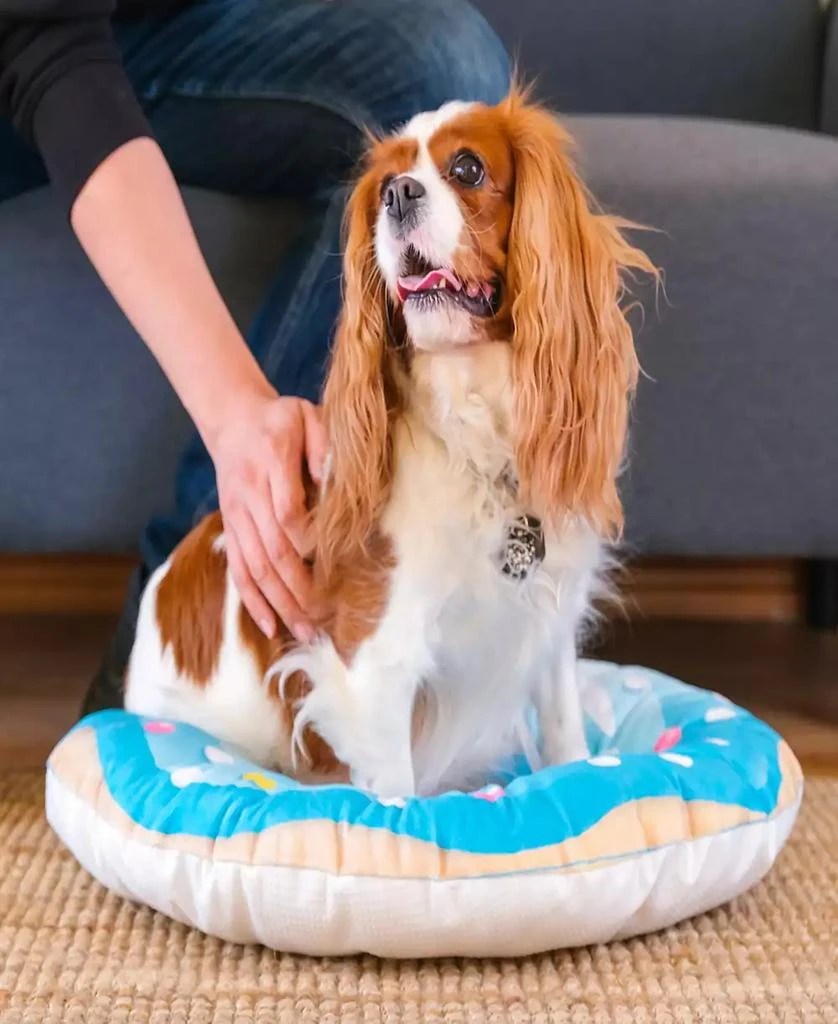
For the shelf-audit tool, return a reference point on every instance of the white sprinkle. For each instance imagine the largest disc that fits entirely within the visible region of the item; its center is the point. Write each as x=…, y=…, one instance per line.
x=186, y=776
x=719, y=714
x=605, y=761
x=717, y=742
x=636, y=680
x=680, y=759
x=218, y=756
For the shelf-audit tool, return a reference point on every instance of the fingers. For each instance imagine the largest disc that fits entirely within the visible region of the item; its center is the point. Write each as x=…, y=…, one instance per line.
x=288, y=500
x=286, y=560
x=262, y=487
x=288, y=492
x=256, y=574
x=316, y=441
x=251, y=597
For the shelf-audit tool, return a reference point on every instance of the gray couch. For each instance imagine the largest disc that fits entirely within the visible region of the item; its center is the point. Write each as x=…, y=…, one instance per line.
x=709, y=120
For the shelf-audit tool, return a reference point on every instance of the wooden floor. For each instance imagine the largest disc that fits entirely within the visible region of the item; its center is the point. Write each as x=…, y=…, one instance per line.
x=784, y=673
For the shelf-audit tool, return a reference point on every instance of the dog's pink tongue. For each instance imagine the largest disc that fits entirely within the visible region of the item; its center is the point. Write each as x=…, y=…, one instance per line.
x=414, y=282
x=424, y=282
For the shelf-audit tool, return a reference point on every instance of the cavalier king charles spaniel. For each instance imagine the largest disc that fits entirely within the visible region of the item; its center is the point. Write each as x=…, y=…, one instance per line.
x=476, y=405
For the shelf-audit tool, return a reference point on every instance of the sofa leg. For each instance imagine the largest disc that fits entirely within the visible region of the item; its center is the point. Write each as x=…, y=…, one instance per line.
x=822, y=593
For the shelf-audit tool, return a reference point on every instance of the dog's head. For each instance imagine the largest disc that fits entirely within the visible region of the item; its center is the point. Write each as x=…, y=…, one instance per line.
x=470, y=227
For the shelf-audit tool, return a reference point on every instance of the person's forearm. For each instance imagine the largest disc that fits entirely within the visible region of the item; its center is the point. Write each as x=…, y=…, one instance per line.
x=132, y=223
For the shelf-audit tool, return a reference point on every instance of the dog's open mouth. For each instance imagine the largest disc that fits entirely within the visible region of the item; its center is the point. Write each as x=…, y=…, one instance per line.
x=426, y=285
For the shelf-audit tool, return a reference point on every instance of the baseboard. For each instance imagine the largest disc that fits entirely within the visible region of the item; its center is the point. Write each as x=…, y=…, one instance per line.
x=754, y=591
x=732, y=591
x=63, y=584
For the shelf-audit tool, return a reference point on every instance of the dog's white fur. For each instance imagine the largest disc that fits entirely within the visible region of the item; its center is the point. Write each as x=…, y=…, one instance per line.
x=234, y=705
x=481, y=645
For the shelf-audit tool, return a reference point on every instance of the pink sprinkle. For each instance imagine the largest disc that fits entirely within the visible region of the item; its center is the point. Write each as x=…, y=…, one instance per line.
x=159, y=728
x=668, y=739
x=490, y=793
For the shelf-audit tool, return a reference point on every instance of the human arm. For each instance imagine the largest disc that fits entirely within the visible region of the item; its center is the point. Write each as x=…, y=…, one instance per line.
x=131, y=221
x=62, y=84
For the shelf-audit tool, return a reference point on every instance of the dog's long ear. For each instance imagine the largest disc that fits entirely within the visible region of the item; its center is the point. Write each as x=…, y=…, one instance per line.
x=355, y=399
x=575, y=366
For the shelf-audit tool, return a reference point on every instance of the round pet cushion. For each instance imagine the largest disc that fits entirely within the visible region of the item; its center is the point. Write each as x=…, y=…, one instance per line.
x=683, y=804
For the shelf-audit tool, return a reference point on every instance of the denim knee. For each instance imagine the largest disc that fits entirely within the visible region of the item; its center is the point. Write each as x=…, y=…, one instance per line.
x=454, y=53
x=374, y=63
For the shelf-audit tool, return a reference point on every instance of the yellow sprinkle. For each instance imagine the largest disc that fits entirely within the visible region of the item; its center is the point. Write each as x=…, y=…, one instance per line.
x=260, y=780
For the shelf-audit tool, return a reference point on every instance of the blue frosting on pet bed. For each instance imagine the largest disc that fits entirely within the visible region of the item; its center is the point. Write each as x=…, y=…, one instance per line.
x=165, y=813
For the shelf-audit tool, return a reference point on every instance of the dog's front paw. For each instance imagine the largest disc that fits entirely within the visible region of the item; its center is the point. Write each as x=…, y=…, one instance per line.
x=385, y=783
x=562, y=746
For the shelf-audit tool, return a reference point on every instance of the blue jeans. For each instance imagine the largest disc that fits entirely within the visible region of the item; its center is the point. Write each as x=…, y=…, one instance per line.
x=270, y=97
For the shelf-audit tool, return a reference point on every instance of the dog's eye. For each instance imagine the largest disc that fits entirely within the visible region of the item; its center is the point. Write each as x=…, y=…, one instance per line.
x=467, y=169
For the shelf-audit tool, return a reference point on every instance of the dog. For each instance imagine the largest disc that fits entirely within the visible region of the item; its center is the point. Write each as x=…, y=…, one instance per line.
x=476, y=404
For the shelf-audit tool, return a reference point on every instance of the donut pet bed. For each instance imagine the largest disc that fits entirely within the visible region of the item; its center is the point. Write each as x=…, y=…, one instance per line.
x=683, y=804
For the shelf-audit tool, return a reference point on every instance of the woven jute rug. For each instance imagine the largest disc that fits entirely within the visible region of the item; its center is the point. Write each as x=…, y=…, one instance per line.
x=70, y=952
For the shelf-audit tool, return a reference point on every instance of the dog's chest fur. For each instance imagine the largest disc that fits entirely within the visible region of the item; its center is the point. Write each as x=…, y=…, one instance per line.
x=481, y=640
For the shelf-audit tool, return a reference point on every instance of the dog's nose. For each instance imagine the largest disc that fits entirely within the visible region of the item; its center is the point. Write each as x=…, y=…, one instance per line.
x=402, y=195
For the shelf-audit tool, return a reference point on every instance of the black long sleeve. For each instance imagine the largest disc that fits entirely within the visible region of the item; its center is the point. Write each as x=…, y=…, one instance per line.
x=63, y=85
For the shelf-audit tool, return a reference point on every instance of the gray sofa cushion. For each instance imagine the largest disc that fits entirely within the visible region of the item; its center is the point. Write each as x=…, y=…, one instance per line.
x=733, y=447
x=758, y=60
x=734, y=444
x=89, y=428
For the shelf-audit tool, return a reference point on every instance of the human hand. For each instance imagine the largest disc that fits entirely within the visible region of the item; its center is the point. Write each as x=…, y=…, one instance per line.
x=259, y=455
